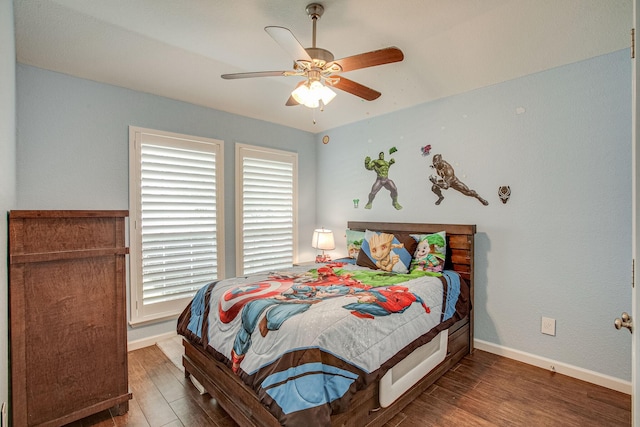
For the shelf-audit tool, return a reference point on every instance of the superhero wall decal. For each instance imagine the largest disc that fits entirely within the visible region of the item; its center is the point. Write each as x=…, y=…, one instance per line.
x=443, y=178
x=381, y=167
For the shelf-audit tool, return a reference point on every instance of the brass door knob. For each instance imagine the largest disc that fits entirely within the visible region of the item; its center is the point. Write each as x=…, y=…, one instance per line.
x=624, y=322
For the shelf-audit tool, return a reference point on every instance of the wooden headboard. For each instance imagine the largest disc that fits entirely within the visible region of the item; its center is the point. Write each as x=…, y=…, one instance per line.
x=460, y=247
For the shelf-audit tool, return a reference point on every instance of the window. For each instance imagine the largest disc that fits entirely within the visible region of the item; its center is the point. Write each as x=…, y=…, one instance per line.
x=176, y=225
x=266, y=208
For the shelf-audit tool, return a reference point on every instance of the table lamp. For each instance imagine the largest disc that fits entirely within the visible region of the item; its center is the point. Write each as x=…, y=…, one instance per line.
x=323, y=240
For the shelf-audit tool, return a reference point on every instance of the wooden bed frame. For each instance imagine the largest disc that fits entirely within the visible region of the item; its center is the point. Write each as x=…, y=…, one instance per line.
x=242, y=404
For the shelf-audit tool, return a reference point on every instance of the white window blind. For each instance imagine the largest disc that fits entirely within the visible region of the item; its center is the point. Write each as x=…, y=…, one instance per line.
x=177, y=225
x=267, y=208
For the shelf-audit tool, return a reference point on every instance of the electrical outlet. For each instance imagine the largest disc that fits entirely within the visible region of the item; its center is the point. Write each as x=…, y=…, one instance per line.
x=548, y=326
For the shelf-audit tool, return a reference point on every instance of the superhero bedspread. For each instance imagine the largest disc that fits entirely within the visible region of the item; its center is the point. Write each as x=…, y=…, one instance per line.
x=306, y=340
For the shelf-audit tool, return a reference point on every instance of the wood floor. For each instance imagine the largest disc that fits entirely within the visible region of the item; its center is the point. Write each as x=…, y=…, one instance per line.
x=482, y=390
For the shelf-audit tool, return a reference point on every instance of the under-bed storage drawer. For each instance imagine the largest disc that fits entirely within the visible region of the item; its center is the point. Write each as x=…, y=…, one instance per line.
x=459, y=337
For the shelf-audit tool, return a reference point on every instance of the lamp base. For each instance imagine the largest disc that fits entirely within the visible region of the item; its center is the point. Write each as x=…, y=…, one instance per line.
x=323, y=258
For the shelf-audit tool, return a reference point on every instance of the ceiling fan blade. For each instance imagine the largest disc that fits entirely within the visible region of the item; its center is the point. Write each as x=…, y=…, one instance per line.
x=370, y=59
x=255, y=74
x=356, y=89
x=291, y=101
x=288, y=42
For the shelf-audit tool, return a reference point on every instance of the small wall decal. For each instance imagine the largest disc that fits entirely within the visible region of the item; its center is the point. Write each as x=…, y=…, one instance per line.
x=504, y=192
x=381, y=167
x=426, y=150
x=356, y=202
x=445, y=178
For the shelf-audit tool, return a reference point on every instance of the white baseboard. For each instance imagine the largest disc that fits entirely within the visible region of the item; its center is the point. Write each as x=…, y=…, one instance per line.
x=149, y=341
x=555, y=366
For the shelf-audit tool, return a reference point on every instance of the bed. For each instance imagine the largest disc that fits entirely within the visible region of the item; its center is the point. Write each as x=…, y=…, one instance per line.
x=407, y=329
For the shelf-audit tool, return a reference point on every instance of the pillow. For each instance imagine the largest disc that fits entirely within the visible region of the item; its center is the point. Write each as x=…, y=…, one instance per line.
x=430, y=252
x=385, y=251
x=354, y=242
x=345, y=260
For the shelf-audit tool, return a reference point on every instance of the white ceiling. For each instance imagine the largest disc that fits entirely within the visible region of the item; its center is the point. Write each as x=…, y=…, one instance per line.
x=179, y=48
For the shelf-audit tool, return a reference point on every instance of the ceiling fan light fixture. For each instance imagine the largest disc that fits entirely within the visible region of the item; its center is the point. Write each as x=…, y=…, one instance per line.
x=319, y=66
x=311, y=94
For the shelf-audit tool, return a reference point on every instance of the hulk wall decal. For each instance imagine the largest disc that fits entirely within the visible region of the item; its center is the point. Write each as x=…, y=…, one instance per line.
x=381, y=167
x=446, y=178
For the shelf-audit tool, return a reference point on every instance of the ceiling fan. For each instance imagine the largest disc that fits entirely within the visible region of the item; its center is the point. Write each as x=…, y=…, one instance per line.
x=318, y=66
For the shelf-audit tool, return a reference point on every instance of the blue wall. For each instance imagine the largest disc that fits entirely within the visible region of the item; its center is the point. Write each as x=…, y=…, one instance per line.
x=561, y=247
x=73, y=148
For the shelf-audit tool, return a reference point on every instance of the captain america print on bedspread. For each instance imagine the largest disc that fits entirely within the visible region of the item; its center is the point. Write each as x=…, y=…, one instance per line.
x=306, y=340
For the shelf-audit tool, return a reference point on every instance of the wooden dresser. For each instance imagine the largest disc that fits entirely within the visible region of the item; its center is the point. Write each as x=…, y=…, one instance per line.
x=67, y=315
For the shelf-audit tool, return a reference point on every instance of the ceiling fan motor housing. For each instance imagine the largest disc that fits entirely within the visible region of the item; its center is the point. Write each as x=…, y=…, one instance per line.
x=320, y=56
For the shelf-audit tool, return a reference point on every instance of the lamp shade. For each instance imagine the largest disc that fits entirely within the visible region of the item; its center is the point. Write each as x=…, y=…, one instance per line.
x=311, y=93
x=323, y=239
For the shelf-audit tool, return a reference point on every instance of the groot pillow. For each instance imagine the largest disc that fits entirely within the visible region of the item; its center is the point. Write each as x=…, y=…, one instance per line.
x=385, y=251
